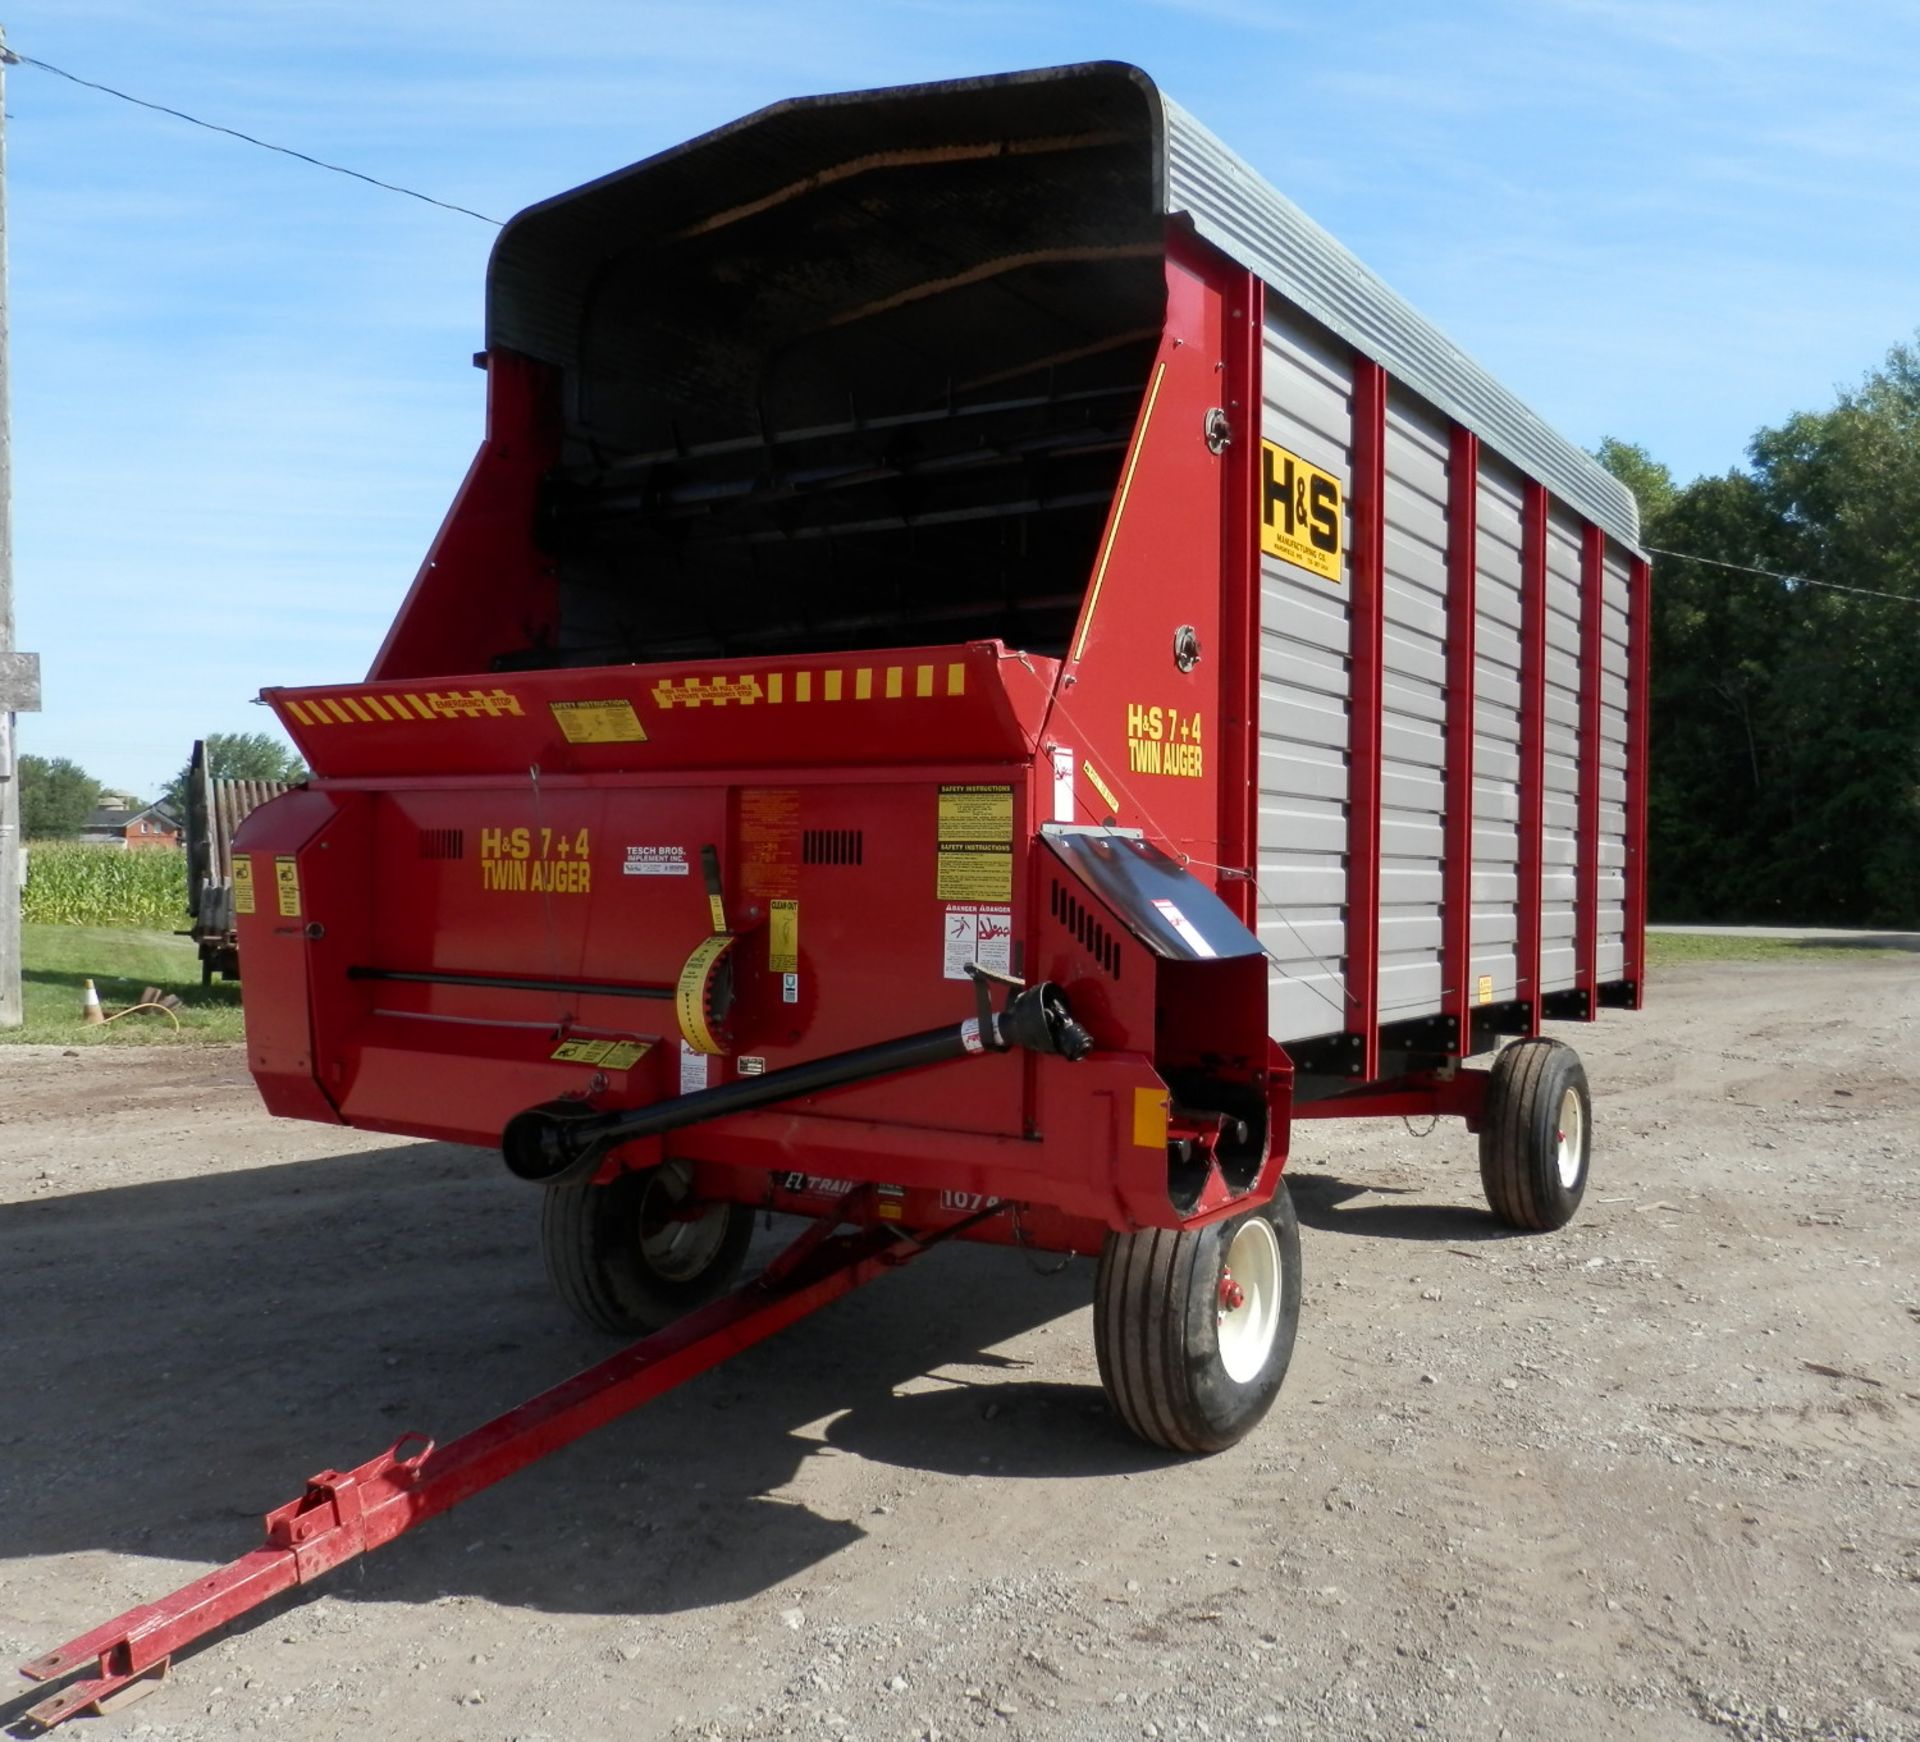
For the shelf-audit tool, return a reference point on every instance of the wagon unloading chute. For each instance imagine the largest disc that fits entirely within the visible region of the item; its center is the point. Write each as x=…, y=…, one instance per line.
x=984, y=669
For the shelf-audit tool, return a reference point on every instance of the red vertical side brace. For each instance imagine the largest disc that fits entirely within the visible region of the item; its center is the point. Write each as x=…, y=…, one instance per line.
x=1639, y=709
x=1240, y=596
x=1367, y=651
x=1456, y=895
x=1586, y=922
x=1533, y=740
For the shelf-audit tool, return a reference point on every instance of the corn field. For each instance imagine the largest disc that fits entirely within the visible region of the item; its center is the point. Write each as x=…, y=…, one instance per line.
x=69, y=883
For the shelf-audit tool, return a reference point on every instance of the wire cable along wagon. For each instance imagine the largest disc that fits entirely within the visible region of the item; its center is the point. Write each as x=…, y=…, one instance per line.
x=983, y=669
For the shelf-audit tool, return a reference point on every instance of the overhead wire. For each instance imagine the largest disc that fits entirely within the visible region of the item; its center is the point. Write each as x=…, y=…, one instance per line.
x=13, y=57
x=1778, y=575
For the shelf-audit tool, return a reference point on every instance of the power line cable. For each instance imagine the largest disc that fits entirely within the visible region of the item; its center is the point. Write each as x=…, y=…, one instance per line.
x=1776, y=575
x=14, y=58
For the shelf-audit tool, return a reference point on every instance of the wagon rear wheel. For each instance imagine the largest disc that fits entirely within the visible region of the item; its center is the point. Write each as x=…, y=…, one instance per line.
x=1536, y=1135
x=1194, y=1330
x=637, y=1253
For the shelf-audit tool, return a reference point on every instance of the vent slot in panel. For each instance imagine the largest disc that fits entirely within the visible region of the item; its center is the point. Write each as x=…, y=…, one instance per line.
x=1094, y=937
x=443, y=843
x=832, y=846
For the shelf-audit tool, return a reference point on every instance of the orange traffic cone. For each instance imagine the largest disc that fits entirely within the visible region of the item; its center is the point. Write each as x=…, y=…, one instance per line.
x=90, y=1006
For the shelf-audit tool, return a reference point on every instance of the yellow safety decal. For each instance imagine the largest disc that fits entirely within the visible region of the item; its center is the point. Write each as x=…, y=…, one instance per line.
x=612, y=722
x=608, y=1055
x=1486, y=988
x=866, y=683
x=693, y=996
x=783, y=937
x=975, y=849
x=1300, y=512
x=1164, y=741
x=360, y=709
x=286, y=877
x=1101, y=787
x=536, y=861
x=1150, y=1118
x=242, y=883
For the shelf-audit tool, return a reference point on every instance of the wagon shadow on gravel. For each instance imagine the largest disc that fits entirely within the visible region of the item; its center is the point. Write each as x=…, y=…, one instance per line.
x=188, y=1351
x=1326, y=1202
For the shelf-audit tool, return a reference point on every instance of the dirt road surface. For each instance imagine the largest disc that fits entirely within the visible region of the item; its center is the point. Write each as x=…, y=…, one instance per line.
x=1657, y=1476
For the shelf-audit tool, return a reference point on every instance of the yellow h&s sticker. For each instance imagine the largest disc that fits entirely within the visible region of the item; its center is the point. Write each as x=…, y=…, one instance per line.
x=1301, y=512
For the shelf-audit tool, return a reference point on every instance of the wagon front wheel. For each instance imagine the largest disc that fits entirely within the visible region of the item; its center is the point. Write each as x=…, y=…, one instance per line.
x=633, y=1255
x=1194, y=1330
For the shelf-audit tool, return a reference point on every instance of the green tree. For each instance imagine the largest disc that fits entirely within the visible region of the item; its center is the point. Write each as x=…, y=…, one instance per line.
x=1785, y=776
x=1650, y=481
x=56, y=797
x=238, y=756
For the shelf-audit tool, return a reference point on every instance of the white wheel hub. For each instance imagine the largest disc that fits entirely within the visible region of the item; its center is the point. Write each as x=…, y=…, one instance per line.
x=679, y=1237
x=1249, y=1304
x=1570, y=1135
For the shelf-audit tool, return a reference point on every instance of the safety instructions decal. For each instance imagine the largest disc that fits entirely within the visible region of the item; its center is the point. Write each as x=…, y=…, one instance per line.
x=770, y=843
x=612, y=722
x=783, y=937
x=976, y=844
x=286, y=877
x=609, y=1055
x=242, y=883
x=978, y=934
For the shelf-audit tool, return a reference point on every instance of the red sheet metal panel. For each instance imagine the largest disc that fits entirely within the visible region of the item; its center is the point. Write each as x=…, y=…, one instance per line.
x=1456, y=904
x=1533, y=739
x=1586, y=949
x=1639, y=708
x=1363, y=756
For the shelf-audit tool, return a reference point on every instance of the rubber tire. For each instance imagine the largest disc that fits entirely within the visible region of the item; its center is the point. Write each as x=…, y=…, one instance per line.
x=1156, y=1332
x=1519, y=1137
x=590, y=1235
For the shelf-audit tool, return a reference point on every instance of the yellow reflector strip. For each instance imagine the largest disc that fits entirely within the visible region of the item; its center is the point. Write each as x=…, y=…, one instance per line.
x=863, y=684
x=775, y=686
x=833, y=686
x=956, y=680
x=894, y=675
x=1150, y=1118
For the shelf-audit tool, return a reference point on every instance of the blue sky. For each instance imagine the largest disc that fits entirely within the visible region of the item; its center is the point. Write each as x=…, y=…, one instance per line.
x=242, y=388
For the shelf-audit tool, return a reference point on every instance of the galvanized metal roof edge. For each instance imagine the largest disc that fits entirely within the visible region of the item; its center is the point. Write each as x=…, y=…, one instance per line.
x=1236, y=209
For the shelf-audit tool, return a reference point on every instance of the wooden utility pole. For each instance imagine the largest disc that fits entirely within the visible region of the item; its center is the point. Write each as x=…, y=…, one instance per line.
x=19, y=672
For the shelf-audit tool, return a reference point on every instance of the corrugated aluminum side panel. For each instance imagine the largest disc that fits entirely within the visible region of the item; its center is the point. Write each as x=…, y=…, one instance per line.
x=1413, y=709
x=1245, y=217
x=1496, y=741
x=1613, y=767
x=1304, y=687
x=1560, y=811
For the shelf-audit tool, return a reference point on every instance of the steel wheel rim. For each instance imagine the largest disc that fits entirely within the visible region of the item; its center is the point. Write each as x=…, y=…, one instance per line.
x=674, y=1246
x=1249, y=1304
x=1570, y=1137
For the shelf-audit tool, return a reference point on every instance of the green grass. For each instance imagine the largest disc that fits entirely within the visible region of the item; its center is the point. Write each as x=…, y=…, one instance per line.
x=58, y=960
x=1670, y=949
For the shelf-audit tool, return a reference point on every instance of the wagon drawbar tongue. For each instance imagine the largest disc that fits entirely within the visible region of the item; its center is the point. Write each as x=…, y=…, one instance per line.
x=346, y=1513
